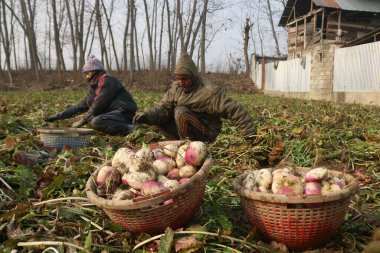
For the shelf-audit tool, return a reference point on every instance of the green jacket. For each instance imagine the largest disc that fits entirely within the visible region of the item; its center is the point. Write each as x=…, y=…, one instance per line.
x=204, y=98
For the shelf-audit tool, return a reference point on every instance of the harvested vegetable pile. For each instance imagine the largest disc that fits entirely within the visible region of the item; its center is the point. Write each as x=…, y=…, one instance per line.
x=42, y=198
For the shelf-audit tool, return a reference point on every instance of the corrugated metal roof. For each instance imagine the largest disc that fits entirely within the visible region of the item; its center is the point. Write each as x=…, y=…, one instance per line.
x=351, y=5
x=303, y=6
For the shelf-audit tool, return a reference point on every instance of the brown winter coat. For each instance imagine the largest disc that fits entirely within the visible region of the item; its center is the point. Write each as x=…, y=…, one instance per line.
x=205, y=99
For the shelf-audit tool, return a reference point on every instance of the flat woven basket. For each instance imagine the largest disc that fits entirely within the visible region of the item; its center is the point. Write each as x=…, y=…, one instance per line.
x=300, y=222
x=148, y=214
x=58, y=137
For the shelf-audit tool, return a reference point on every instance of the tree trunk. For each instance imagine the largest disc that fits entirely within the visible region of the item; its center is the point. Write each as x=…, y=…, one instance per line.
x=270, y=15
x=195, y=34
x=181, y=36
x=131, y=42
x=203, y=38
x=111, y=33
x=6, y=42
x=28, y=21
x=58, y=50
x=247, y=29
x=79, y=28
x=170, y=38
x=102, y=41
x=125, y=37
x=191, y=23
x=150, y=43
x=161, y=33
x=74, y=41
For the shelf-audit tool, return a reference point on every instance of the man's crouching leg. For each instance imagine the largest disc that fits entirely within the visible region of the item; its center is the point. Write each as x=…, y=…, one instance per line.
x=110, y=124
x=189, y=125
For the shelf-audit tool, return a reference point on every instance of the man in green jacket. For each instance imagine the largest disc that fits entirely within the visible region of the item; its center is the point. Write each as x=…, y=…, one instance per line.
x=192, y=108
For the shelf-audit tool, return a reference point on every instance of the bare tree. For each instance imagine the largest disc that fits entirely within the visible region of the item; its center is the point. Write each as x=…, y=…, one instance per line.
x=247, y=30
x=191, y=23
x=102, y=39
x=150, y=42
x=203, y=38
x=5, y=37
x=270, y=16
x=125, y=37
x=180, y=23
x=161, y=33
x=131, y=42
x=74, y=42
x=170, y=37
x=28, y=12
x=58, y=49
x=111, y=32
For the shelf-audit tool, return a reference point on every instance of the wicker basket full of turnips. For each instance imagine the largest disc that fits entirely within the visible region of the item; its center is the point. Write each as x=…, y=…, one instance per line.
x=157, y=186
x=299, y=207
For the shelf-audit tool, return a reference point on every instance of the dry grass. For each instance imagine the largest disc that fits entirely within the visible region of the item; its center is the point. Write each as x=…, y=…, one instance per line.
x=143, y=81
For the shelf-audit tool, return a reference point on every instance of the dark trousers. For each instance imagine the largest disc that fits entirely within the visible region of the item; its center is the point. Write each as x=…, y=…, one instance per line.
x=186, y=125
x=113, y=123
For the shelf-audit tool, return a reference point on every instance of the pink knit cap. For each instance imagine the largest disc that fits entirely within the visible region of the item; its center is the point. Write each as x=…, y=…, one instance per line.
x=92, y=64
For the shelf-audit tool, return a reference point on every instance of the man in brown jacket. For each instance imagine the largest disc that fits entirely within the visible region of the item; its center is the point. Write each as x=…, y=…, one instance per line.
x=193, y=108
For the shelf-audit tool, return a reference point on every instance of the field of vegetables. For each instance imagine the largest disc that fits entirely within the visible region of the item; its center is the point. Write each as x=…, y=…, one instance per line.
x=42, y=194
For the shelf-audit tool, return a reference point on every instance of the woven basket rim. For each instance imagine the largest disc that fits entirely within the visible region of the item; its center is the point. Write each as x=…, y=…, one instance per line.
x=69, y=130
x=146, y=201
x=350, y=189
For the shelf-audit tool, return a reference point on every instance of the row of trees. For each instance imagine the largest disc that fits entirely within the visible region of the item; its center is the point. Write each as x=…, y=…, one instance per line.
x=128, y=34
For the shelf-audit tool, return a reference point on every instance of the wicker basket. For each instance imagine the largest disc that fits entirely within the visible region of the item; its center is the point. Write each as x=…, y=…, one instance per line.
x=300, y=222
x=58, y=137
x=148, y=214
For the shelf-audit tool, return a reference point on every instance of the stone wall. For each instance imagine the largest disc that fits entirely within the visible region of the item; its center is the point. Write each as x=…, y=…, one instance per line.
x=322, y=72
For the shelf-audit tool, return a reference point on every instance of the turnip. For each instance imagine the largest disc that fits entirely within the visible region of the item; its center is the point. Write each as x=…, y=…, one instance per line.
x=260, y=188
x=184, y=180
x=331, y=185
x=316, y=174
x=250, y=181
x=264, y=178
x=134, y=168
x=285, y=170
x=168, y=160
x=339, y=181
x=136, y=179
x=168, y=183
x=173, y=174
x=103, y=173
x=151, y=188
x=158, y=152
x=161, y=167
x=287, y=184
x=180, y=158
x=335, y=188
x=123, y=194
x=326, y=187
x=109, y=177
x=312, y=188
x=196, y=153
x=171, y=184
x=144, y=154
x=170, y=150
x=187, y=171
x=123, y=158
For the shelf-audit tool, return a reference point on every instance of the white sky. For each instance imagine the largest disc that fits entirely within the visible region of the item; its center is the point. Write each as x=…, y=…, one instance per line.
x=226, y=46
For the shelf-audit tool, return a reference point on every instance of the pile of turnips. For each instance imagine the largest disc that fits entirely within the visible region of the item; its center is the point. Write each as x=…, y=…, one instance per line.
x=149, y=171
x=287, y=181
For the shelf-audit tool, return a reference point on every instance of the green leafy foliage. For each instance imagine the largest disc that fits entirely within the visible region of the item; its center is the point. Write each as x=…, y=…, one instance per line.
x=304, y=133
